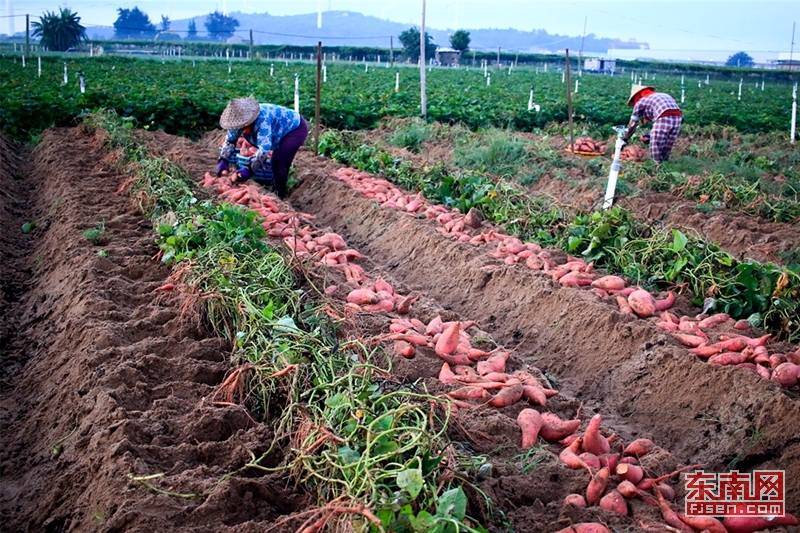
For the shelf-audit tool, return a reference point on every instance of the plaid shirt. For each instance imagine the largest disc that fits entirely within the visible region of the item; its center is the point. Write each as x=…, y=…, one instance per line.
x=272, y=124
x=651, y=107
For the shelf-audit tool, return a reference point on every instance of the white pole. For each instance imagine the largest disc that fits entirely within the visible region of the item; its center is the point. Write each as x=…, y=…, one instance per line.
x=576, y=86
x=740, y=88
x=562, y=77
x=794, y=112
x=325, y=73
x=489, y=79
x=423, y=101
x=397, y=82
x=366, y=66
x=229, y=68
x=681, y=79
x=762, y=85
x=530, y=100
x=272, y=69
x=683, y=95
x=23, y=60
x=40, y=65
x=485, y=63
x=613, y=174
x=296, y=93
x=510, y=66
x=707, y=79
x=66, y=79
x=83, y=85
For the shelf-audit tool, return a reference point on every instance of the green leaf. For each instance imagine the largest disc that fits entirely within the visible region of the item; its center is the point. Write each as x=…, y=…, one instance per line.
x=336, y=400
x=164, y=229
x=411, y=481
x=452, y=503
x=423, y=522
x=679, y=241
x=348, y=455
x=429, y=463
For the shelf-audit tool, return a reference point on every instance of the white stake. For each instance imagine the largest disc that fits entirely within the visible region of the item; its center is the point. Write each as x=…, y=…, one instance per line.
x=272, y=69
x=545, y=67
x=229, y=68
x=510, y=66
x=397, y=82
x=488, y=79
x=645, y=76
x=40, y=65
x=576, y=86
x=325, y=73
x=699, y=84
x=23, y=60
x=683, y=95
x=485, y=72
x=762, y=84
x=740, y=88
x=794, y=113
x=66, y=79
x=296, y=93
x=562, y=77
x=83, y=85
x=530, y=100
x=193, y=65
x=707, y=79
x=681, y=79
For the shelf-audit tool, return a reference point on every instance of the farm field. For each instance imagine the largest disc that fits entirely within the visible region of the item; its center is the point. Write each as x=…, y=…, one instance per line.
x=181, y=354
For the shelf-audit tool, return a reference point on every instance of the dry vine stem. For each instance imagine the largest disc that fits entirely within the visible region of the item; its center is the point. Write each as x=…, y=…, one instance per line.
x=315, y=522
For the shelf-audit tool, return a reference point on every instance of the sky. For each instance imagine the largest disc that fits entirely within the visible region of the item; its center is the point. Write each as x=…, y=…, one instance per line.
x=675, y=25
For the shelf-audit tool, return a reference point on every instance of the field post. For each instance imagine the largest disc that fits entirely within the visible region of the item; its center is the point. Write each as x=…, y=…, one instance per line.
x=316, y=103
x=251, y=45
x=569, y=105
x=423, y=100
x=27, y=34
x=794, y=112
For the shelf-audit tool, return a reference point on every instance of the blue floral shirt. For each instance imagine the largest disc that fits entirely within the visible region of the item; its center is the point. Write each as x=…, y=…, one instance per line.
x=272, y=125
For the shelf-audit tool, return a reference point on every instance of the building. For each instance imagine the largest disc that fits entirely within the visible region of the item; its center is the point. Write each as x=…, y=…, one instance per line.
x=630, y=44
x=600, y=65
x=787, y=61
x=448, y=57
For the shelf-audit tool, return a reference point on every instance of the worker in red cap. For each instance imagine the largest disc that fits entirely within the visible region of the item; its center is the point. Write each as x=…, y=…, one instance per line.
x=660, y=109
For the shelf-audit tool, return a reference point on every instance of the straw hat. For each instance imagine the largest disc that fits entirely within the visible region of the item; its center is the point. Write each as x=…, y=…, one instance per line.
x=636, y=89
x=239, y=113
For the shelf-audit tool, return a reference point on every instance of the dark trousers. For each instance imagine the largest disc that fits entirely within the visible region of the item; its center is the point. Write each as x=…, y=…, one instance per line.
x=282, y=157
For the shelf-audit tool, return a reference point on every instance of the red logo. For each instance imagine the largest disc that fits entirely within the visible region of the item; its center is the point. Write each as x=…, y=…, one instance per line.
x=735, y=493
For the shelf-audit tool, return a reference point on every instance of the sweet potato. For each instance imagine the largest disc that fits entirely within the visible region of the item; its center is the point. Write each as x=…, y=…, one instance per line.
x=554, y=429
x=786, y=374
x=632, y=473
x=332, y=241
x=611, y=460
x=742, y=325
x=713, y=321
x=727, y=358
x=362, y=297
x=692, y=341
x=613, y=501
x=630, y=491
x=530, y=422
x=448, y=341
x=642, y=303
x=639, y=447
x=624, y=307
x=667, y=491
x=496, y=363
x=509, y=395
x=585, y=527
x=593, y=441
x=405, y=349
x=609, y=283
x=533, y=395
x=434, y=326
x=749, y=524
x=404, y=304
x=670, y=516
x=569, y=455
x=667, y=326
x=666, y=303
x=597, y=486
x=703, y=523
x=446, y=375
x=410, y=337
x=575, y=499
x=469, y=393
x=591, y=460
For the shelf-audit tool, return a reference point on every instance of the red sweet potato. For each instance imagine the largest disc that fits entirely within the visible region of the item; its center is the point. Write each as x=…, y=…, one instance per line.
x=362, y=297
x=642, y=303
x=713, y=321
x=585, y=527
x=703, y=523
x=554, y=429
x=530, y=422
x=639, y=447
x=510, y=394
x=597, y=486
x=569, y=455
x=448, y=341
x=446, y=375
x=613, y=501
x=607, y=283
x=575, y=499
x=749, y=524
x=786, y=374
x=666, y=303
x=593, y=441
x=632, y=473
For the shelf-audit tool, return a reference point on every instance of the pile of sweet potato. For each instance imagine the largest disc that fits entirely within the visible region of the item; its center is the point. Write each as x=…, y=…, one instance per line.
x=588, y=146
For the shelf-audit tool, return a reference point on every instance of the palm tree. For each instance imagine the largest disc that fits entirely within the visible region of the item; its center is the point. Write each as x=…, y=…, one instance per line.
x=59, y=31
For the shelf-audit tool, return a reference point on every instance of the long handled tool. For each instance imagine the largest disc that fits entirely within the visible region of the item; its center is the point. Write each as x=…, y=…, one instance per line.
x=614, y=173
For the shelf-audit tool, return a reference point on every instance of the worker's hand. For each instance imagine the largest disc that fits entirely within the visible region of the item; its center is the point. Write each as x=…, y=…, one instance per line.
x=269, y=155
x=244, y=173
x=222, y=165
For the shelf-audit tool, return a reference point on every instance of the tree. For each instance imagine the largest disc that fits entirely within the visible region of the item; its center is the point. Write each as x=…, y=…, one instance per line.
x=59, y=31
x=192, y=33
x=220, y=27
x=410, y=41
x=740, y=59
x=460, y=40
x=165, y=23
x=133, y=23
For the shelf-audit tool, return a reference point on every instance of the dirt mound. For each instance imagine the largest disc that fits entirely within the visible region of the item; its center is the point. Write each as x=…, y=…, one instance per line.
x=102, y=378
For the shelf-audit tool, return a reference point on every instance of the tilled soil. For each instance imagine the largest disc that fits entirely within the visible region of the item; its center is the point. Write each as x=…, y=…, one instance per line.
x=103, y=379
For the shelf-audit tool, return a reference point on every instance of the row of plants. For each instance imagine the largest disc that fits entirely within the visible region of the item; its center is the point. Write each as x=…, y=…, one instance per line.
x=752, y=174
x=654, y=257
x=186, y=97
x=373, y=452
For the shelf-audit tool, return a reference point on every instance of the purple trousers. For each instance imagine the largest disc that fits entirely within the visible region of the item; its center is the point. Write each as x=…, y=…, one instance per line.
x=282, y=157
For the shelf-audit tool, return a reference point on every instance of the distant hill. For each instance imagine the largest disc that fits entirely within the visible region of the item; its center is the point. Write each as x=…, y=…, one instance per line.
x=346, y=28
